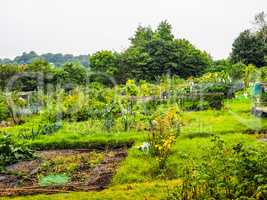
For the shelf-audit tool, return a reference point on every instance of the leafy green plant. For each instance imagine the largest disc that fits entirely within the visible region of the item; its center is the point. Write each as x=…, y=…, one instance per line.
x=130, y=88
x=43, y=129
x=109, y=118
x=3, y=109
x=12, y=152
x=127, y=121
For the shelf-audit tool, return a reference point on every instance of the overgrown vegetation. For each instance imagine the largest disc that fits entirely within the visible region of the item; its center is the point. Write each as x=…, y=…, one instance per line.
x=224, y=172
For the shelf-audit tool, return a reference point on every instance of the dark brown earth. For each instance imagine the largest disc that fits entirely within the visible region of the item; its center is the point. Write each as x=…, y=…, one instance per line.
x=22, y=178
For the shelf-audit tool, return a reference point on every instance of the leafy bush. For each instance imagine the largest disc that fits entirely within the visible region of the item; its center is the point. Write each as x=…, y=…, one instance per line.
x=263, y=74
x=235, y=172
x=194, y=103
x=130, y=88
x=12, y=152
x=215, y=102
x=263, y=99
x=205, y=96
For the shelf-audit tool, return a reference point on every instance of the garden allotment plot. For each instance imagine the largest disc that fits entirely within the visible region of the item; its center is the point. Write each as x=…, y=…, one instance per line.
x=61, y=171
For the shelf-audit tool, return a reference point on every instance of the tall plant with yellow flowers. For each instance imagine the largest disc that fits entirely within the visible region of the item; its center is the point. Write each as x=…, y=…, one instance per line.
x=164, y=129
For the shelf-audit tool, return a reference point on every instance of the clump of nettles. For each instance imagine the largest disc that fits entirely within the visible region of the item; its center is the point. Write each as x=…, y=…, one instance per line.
x=165, y=128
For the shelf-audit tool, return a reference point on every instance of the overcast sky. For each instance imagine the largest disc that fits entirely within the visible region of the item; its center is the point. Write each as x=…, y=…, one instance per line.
x=86, y=26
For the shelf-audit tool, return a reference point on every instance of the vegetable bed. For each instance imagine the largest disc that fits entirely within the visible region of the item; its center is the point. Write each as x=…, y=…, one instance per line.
x=61, y=171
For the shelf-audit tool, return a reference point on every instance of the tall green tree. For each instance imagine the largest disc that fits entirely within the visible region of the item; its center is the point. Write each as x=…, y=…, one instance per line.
x=39, y=73
x=104, y=67
x=72, y=74
x=261, y=25
x=190, y=61
x=219, y=66
x=105, y=62
x=155, y=53
x=249, y=49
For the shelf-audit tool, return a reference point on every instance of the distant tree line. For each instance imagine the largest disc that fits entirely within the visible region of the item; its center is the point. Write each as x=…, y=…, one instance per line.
x=40, y=73
x=55, y=59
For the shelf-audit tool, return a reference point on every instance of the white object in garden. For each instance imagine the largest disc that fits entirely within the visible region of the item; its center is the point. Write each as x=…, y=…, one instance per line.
x=145, y=146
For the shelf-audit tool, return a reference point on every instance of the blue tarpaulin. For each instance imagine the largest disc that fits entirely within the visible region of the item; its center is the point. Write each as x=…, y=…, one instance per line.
x=257, y=89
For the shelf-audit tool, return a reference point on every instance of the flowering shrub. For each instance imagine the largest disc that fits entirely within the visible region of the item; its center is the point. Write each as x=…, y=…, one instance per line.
x=214, y=77
x=165, y=127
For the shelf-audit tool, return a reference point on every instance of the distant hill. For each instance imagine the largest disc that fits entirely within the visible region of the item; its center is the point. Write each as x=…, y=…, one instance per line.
x=57, y=59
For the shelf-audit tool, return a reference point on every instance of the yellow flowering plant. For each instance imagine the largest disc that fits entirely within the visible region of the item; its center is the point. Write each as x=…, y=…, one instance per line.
x=165, y=128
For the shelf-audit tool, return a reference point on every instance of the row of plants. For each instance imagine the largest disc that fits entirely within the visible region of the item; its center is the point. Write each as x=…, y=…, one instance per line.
x=41, y=129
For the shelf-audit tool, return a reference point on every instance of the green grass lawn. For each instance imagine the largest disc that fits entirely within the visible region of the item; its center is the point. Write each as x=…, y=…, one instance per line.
x=234, y=118
x=137, y=177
